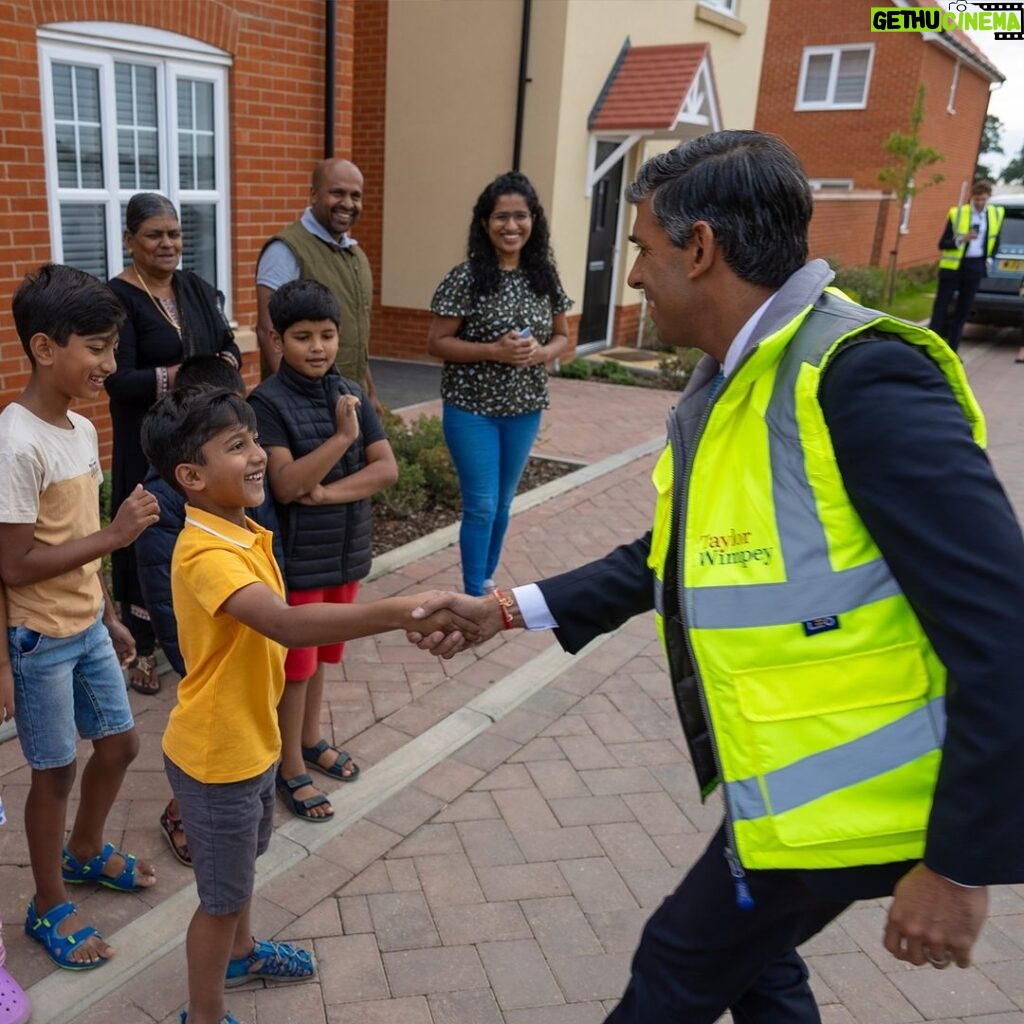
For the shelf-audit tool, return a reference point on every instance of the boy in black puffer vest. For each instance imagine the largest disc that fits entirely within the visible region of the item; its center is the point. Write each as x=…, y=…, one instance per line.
x=328, y=455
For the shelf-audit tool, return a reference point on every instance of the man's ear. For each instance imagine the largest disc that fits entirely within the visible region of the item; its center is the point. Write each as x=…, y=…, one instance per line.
x=702, y=247
x=189, y=476
x=42, y=348
x=276, y=340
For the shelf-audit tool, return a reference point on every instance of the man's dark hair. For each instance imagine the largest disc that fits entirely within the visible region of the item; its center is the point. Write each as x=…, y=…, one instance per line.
x=536, y=259
x=176, y=428
x=59, y=301
x=208, y=371
x=303, y=300
x=982, y=187
x=748, y=186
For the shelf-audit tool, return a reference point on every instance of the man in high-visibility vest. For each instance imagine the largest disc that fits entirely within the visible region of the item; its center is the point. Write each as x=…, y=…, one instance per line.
x=837, y=578
x=970, y=238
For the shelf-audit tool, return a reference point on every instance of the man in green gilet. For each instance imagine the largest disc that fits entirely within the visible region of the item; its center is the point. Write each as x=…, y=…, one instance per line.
x=318, y=247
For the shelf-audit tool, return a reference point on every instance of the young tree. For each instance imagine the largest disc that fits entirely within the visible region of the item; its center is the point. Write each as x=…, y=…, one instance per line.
x=991, y=142
x=1013, y=172
x=901, y=177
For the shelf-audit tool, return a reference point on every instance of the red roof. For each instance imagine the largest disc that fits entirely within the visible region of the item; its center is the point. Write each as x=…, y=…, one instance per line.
x=647, y=87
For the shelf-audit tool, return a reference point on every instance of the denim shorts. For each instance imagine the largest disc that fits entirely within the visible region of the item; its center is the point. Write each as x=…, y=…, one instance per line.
x=228, y=824
x=64, y=684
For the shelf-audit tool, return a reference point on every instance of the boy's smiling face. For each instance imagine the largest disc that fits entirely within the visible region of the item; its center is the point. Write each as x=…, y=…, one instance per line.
x=230, y=478
x=79, y=368
x=309, y=347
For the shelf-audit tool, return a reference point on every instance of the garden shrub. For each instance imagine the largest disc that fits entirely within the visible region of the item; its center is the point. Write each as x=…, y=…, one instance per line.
x=676, y=365
x=426, y=476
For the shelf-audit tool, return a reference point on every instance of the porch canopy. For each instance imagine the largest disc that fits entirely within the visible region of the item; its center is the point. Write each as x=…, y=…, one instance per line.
x=652, y=92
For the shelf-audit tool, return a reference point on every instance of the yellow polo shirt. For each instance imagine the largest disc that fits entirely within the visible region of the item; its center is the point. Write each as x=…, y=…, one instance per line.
x=224, y=726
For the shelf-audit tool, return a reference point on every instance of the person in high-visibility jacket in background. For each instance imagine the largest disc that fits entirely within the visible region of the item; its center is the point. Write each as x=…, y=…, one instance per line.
x=967, y=243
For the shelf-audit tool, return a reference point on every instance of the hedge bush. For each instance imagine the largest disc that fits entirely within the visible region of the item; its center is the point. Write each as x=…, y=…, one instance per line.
x=426, y=476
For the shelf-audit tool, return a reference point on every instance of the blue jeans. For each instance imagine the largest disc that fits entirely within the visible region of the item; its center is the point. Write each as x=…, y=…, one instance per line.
x=63, y=685
x=490, y=454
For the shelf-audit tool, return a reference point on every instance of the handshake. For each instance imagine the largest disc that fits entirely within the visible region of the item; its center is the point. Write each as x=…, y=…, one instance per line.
x=445, y=623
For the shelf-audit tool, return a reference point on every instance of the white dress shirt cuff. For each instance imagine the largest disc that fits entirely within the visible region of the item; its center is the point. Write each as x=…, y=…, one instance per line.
x=533, y=608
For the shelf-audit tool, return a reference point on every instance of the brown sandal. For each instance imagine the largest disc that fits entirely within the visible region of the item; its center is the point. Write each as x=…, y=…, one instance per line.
x=142, y=675
x=172, y=827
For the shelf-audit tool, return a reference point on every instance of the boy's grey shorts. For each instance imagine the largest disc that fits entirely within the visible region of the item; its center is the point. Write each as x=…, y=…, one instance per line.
x=227, y=825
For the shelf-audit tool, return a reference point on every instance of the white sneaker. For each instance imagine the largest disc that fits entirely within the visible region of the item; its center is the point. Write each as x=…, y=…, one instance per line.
x=490, y=586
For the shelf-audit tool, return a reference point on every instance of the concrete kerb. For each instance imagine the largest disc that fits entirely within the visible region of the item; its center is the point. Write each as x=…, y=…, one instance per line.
x=63, y=996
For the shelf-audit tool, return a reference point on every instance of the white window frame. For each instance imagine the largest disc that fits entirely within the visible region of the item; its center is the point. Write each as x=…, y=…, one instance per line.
x=951, y=105
x=831, y=184
x=722, y=6
x=100, y=45
x=836, y=53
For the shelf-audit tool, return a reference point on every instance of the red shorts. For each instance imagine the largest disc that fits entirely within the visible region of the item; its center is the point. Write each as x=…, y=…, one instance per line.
x=301, y=662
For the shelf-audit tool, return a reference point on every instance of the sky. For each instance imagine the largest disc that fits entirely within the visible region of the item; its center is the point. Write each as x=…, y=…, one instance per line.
x=1006, y=102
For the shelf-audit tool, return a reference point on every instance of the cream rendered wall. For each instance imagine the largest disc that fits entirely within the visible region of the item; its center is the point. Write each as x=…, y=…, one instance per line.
x=595, y=32
x=451, y=99
x=451, y=96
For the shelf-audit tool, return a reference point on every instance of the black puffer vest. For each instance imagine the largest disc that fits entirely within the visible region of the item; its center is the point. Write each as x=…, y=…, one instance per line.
x=324, y=545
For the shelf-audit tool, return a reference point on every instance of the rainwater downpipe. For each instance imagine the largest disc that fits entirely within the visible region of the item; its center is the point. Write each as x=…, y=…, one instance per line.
x=524, y=52
x=330, y=46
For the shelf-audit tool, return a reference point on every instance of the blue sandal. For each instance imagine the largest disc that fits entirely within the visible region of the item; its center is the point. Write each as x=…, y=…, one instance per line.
x=228, y=1018
x=271, y=961
x=60, y=947
x=311, y=756
x=301, y=808
x=75, y=872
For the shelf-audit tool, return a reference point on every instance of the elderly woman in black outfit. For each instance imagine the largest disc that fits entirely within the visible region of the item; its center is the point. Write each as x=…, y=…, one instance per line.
x=172, y=314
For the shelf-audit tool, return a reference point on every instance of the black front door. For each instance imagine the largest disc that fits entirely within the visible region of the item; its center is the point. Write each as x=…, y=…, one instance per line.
x=604, y=218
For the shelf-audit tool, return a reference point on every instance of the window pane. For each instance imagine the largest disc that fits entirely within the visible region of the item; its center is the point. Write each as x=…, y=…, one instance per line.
x=77, y=126
x=199, y=231
x=90, y=157
x=185, y=105
x=205, y=176
x=84, y=234
x=138, y=163
x=819, y=67
x=87, y=94
x=196, y=165
x=63, y=106
x=186, y=168
x=852, y=77
x=149, y=161
x=203, y=92
x=67, y=159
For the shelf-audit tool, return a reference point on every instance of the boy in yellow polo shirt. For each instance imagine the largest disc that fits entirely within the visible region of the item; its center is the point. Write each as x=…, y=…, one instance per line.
x=222, y=741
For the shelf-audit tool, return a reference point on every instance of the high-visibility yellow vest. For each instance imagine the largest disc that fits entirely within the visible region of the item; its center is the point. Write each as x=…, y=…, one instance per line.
x=960, y=221
x=824, y=697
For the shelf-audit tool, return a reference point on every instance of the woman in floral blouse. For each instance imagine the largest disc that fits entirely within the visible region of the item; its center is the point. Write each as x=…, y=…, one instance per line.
x=499, y=321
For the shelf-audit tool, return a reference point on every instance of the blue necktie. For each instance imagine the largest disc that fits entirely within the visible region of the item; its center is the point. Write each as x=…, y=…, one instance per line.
x=716, y=383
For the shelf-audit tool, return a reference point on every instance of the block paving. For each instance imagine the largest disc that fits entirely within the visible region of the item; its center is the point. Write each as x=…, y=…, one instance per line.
x=508, y=883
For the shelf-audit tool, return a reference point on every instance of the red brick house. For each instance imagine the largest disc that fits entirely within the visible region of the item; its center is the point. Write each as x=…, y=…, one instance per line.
x=835, y=90
x=179, y=98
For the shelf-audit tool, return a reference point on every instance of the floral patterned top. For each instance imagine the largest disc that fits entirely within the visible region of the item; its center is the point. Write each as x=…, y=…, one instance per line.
x=496, y=389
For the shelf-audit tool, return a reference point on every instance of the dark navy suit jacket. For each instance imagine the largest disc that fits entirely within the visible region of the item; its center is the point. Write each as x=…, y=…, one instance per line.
x=929, y=498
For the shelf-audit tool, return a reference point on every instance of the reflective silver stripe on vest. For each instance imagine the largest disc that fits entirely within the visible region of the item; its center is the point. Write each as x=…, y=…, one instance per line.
x=828, y=771
x=812, y=588
x=659, y=597
x=778, y=604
